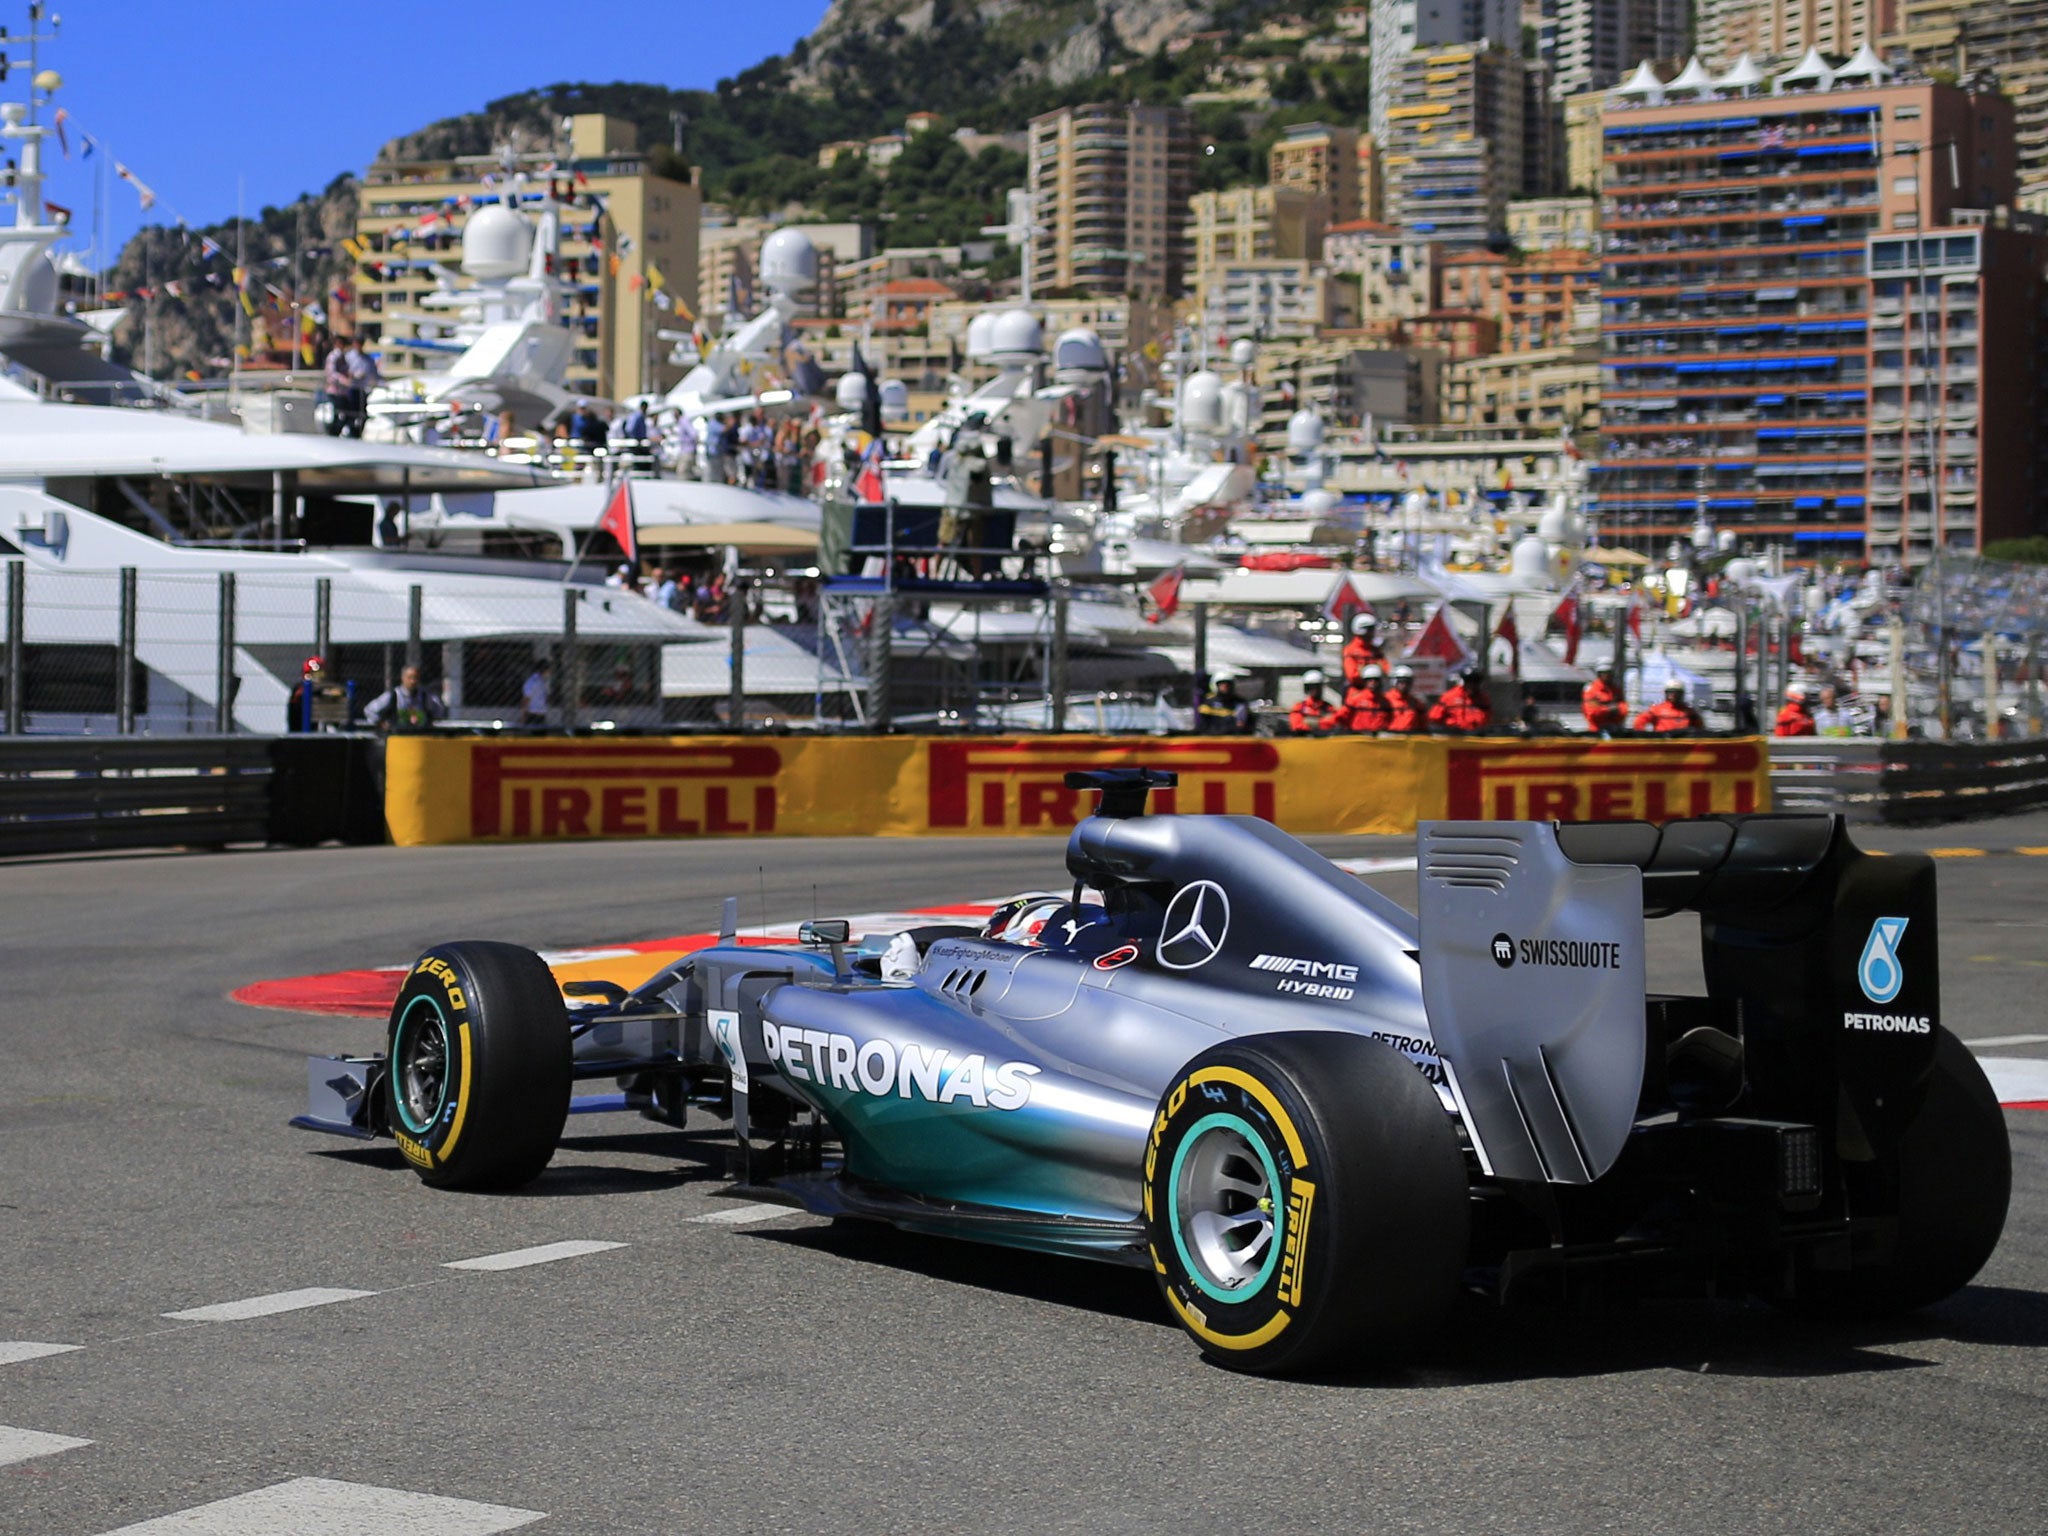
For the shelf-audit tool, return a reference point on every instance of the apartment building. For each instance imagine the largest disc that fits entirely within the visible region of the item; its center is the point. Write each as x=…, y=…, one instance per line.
x=1271, y=300
x=1599, y=41
x=1543, y=301
x=2010, y=39
x=1452, y=153
x=1400, y=27
x=1556, y=388
x=626, y=226
x=1316, y=160
x=1252, y=224
x=1785, y=29
x=1554, y=223
x=1396, y=271
x=1736, y=337
x=1348, y=380
x=1956, y=370
x=1110, y=182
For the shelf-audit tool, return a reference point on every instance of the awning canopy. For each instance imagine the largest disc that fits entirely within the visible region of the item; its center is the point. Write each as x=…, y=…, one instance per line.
x=761, y=537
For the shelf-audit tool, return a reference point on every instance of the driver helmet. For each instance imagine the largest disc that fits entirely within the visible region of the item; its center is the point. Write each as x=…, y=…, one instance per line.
x=313, y=664
x=1312, y=678
x=1364, y=624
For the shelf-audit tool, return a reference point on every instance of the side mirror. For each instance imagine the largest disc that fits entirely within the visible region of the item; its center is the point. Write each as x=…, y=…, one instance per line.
x=835, y=930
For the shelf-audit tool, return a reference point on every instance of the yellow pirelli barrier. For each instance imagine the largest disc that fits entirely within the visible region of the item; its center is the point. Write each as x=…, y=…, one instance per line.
x=451, y=789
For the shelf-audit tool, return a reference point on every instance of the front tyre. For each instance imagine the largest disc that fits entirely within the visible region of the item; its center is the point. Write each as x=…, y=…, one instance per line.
x=477, y=1084
x=1306, y=1202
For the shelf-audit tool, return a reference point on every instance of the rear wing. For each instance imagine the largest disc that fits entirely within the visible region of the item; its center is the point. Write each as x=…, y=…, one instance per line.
x=1822, y=959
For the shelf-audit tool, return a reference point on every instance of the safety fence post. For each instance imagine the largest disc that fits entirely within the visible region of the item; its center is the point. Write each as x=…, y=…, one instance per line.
x=571, y=669
x=323, y=620
x=881, y=641
x=17, y=629
x=1056, y=684
x=415, y=610
x=736, y=645
x=124, y=675
x=224, y=659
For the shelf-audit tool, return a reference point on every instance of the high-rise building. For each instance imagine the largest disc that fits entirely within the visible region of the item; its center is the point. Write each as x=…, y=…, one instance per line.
x=2010, y=38
x=1396, y=271
x=1110, y=184
x=626, y=228
x=1554, y=223
x=1252, y=224
x=1785, y=29
x=1452, y=154
x=1737, y=328
x=1399, y=27
x=1599, y=41
x=1317, y=159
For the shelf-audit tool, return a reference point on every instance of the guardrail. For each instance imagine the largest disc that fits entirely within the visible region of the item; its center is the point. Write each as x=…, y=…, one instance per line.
x=78, y=793
x=1909, y=781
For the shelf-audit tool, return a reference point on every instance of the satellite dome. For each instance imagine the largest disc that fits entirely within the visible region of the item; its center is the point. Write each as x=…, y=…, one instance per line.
x=1318, y=504
x=1530, y=558
x=497, y=243
x=1557, y=525
x=789, y=262
x=40, y=286
x=852, y=391
x=1739, y=573
x=981, y=335
x=1079, y=351
x=1415, y=504
x=895, y=399
x=1016, y=333
x=1304, y=433
x=1243, y=352
x=1240, y=407
x=1201, y=402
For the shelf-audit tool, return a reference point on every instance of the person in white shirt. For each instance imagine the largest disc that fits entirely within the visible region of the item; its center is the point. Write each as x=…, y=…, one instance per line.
x=533, y=697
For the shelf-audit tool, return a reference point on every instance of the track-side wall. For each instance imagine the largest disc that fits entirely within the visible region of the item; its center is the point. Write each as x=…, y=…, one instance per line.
x=466, y=789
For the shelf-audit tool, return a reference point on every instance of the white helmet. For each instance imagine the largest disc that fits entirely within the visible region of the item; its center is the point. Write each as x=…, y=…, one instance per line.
x=1796, y=691
x=1312, y=678
x=1674, y=686
x=1364, y=624
x=1403, y=674
x=1371, y=675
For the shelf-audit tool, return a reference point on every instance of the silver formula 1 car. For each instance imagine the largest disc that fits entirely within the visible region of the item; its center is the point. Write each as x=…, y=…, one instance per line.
x=1312, y=1115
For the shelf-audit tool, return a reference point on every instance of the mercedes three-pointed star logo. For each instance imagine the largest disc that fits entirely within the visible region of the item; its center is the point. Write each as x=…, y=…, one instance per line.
x=1197, y=922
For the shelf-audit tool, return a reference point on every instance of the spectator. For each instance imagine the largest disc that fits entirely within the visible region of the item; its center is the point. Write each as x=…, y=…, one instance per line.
x=1795, y=719
x=340, y=389
x=1315, y=715
x=1404, y=710
x=533, y=695
x=408, y=707
x=1222, y=712
x=1365, y=702
x=362, y=378
x=622, y=580
x=1670, y=713
x=718, y=447
x=298, y=709
x=682, y=440
x=664, y=593
x=1831, y=719
x=634, y=429
x=1606, y=711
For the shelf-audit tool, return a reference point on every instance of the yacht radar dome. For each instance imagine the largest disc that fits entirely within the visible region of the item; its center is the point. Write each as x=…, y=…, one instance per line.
x=1530, y=558
x=1016, y=337
x=851, y=393
x=1304, y=433
x=1201, y=402
x=895, y=400
x=48, y=80
x=789, y=262
x=1243, y=352
x=497, y=243
x=1079, y=351
x=981, y=336
x=1318, y=504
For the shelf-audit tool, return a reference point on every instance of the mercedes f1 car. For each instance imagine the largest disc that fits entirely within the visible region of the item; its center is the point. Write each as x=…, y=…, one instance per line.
x=1314, y=1117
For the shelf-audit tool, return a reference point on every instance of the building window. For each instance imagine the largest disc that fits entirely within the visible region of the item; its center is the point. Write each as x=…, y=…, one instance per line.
x=1905, y=221
x=1905, y=186
x=1905, y=113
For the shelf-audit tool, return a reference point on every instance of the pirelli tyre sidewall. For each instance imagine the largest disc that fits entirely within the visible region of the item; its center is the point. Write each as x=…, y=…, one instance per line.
x=477, y=1084
x=1345, y=1150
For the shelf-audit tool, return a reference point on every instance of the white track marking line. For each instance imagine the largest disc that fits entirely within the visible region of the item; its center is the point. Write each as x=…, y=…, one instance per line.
x=14, y=1351
x=2016, y=1079
x=1978, y=1045
x=27, y=1444
x=319, y=1506
x=740, y=1215
x=547, y=1253
x=1376, y=866
x=265, y=1306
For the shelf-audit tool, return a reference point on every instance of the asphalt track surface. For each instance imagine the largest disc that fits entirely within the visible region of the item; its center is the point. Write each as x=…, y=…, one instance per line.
x=768, y=1372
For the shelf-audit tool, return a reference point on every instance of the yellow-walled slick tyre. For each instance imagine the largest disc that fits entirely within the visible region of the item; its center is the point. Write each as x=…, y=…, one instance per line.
x=1306, y=1203
x=478, y=1080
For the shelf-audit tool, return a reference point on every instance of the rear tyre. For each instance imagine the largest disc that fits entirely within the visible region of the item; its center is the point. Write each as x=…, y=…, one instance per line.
x=477, y=1085
x=1954, y=1179
x=1306, y=1203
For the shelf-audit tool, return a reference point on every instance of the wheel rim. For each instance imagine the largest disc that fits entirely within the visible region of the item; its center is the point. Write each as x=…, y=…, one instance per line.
x=420, y=1052
x=1224, y=1208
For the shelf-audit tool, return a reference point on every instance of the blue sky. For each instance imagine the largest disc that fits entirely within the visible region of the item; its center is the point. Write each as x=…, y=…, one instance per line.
x=285, y=94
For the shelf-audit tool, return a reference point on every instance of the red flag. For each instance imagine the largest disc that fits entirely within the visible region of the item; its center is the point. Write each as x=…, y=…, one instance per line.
x=1507, y=629
x=1438, y=639
x=1344, y=604
x=618, y=520
x=1635, y=616
x=1567, y=614
x=1165, y=594
x=868, y=487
